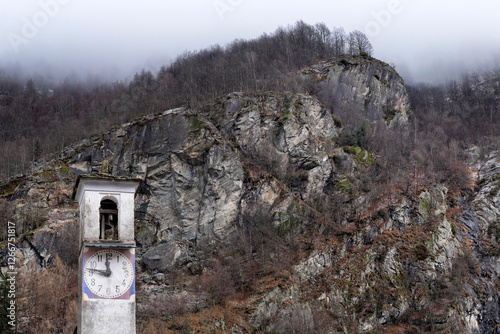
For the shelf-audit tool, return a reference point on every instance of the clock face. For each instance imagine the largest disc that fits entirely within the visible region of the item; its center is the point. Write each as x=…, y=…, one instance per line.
x=108, y=273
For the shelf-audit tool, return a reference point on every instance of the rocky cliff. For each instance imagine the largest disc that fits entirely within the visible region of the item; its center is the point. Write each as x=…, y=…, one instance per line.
x=255, y=188
x=366, y=84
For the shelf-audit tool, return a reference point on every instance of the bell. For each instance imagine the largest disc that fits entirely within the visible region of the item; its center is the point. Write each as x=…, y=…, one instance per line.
x=108, y=222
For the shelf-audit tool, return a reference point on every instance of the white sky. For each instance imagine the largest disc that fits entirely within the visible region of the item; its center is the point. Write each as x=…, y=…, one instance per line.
x=427, y=40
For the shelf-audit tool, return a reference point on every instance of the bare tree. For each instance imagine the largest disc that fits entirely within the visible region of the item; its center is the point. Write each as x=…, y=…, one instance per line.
x=325, y=44
x=359, y=43
x=339, y=41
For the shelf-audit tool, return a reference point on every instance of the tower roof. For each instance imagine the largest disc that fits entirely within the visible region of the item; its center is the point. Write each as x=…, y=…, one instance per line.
x=100, y=179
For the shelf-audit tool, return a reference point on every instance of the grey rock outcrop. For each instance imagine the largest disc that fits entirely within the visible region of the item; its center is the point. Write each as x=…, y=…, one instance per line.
x=192, y=181
x=288, y=135
x=481, y=233
x=366, y=84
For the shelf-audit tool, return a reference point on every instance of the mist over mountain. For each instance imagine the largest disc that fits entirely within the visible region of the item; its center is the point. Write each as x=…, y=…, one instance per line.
x=60, y=38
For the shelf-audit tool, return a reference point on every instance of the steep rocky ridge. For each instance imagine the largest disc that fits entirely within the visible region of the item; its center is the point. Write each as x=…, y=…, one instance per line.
x=410, y=264
x=365, y=84
x=480, y=232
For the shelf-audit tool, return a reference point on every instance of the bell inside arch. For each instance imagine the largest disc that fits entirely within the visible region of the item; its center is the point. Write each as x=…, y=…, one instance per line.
x=109, y=220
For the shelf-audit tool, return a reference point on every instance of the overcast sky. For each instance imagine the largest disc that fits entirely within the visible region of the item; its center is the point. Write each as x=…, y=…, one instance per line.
x=427, y=40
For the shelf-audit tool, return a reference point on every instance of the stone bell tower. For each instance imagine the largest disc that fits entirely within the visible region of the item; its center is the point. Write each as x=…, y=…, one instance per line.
x=106, y=280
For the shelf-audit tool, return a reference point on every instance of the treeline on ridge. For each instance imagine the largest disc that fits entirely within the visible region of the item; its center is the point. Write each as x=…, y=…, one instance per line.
x=39, y=118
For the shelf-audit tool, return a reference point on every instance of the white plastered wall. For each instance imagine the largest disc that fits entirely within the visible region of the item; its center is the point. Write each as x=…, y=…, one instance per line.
x=91, y=192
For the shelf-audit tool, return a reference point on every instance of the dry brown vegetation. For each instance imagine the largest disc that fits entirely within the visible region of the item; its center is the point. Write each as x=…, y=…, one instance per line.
x=228, y=283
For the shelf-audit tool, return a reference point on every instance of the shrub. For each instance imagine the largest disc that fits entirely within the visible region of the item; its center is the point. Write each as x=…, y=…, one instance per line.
x=337, y=160
x=345, y=184
x=234, y=145
x=337, y=121
x=350, y=150
x=453, y=229
x=383, y=213
x=421, y=252
x=345, y=62
x=298, y=103
x=217, y=283
x=482, y=182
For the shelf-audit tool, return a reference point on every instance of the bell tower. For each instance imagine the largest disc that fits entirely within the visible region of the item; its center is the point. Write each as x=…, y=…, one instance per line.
x=106, y=280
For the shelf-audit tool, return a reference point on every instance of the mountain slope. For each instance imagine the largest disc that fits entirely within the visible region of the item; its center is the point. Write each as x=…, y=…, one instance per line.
x=254, y=216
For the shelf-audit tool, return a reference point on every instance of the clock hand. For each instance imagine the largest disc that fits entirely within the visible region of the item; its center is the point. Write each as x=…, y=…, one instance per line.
x=108, y=269
x=102, y=272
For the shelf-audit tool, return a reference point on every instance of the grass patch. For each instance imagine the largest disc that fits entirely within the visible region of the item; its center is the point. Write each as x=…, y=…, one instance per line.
x=195, y=124
x=286, y=115
x=360, y=155
x=344, y=184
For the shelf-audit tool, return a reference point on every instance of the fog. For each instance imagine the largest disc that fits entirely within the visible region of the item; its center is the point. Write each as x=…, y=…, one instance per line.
x=428, y=41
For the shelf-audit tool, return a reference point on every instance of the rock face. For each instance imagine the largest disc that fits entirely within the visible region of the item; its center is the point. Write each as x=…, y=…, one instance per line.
x=204, y=173
x=192, y=181
x=365, y=84
x=194, y=190
x=482, y=233
x=287, y=135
